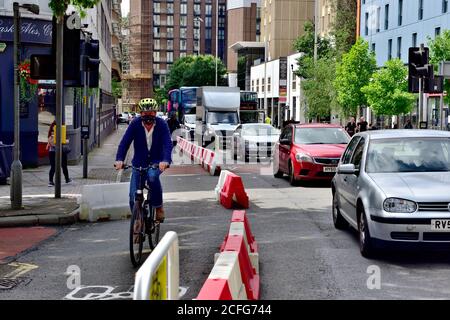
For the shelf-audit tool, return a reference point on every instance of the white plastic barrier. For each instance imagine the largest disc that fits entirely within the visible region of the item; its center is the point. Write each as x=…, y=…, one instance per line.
x=158, y=278
x=104, y=201
x=220, y=183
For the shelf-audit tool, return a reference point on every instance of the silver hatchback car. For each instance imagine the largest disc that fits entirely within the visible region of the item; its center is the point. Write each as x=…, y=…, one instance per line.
x=393, y=186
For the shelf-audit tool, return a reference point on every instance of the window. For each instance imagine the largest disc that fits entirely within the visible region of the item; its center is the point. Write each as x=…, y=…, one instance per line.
x=253, y=85
x=183, y=21
x=378, y=19
x=197, y=9
x=170, y=20
x=183, y=8
x=386, y=17
x=373, y=47
x=169, y=56
x=420, y=9
x=400, y=12
x=257, y=85
x=208, y=22
x=444, y=6
x=196, y=33
x=263, y=86
x=349, y=151
x=156, y=20
x=399, y=47
x=169, y=32
x=390, y=49
x=414, y=40
x=156, y=32
x=156, y=44
x=156, y=7
x=169, y=44
x=156, y=56
x=208, y=9
x=437, y=31
x=357, y=155
x=269, y=87
x=169, y=7
x=183, y=45
x=183, y=32
x=366, y=32
x=294, y=82
x=182, y=54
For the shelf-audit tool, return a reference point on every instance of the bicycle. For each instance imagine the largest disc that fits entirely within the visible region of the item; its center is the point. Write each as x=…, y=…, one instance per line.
x=143, y=219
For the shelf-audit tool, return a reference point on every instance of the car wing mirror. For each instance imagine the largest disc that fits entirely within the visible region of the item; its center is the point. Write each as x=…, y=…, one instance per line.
x=347, y=169
x=285, y=142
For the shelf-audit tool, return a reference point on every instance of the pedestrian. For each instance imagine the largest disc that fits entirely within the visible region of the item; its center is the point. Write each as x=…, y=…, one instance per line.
x=351, y=127
x=52, y=156
x=408, y=125
x=174, y=125
x=362, y=125
x=373, y=126
x=268, y=120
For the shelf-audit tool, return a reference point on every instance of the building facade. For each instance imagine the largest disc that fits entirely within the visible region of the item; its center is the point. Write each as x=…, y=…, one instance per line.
x=244, y=24
x=282, y=22
x=281, y=89
x=326, y=16
x=392, y=26
x=163, y=31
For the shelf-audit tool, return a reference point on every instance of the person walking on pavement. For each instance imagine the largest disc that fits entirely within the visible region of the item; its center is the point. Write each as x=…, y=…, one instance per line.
x=152, y=145
x=52, y=157
x=362, y=125
x=408, y=125
x=174, y=125
x=351, y=127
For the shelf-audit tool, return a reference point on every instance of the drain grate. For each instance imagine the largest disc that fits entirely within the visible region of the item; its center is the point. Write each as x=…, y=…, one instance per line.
x=9, y=283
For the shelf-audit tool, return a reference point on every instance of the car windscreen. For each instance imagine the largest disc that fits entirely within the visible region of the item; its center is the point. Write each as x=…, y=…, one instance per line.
x=408, y=155
x=321, y=136
x=189, y=118
x=259, y=130
x=222, y=117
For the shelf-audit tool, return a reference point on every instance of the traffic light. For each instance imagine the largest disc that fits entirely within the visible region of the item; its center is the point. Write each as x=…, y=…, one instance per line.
x=44, y=66
x=419, y=67
x=90, y=61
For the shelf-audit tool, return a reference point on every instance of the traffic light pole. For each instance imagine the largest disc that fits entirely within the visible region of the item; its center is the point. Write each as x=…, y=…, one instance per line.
x=420, y=109
x=85, y=110
x=59, y=101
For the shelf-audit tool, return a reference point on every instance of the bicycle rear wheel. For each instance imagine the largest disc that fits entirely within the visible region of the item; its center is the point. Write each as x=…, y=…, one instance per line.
x=153, y=234
x=137, y=234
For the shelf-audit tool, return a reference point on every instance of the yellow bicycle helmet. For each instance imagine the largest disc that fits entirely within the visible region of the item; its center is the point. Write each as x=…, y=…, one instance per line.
x=148, y=104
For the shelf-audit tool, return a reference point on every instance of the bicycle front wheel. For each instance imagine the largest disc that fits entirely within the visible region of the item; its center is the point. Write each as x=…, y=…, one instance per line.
x=137, y=234
x=153, y=235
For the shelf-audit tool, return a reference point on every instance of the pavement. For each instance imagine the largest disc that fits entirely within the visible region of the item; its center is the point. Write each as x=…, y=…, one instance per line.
x=40, y=207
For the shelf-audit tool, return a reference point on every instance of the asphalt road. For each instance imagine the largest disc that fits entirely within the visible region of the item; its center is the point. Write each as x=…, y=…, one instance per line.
x=302, y=256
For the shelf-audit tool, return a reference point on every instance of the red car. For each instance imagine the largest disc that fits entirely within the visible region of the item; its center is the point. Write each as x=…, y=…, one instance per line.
x=309, y=151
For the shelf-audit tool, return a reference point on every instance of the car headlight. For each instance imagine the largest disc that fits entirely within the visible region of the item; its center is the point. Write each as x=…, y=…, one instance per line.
x=399, y=205
x=303, y=157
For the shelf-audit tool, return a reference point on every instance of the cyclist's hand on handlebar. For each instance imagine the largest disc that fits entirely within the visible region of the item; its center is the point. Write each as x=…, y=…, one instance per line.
x=118, y=165
x=163, y=166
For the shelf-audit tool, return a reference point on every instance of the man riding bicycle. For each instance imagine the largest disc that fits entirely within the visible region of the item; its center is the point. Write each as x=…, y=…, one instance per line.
x=152, y=145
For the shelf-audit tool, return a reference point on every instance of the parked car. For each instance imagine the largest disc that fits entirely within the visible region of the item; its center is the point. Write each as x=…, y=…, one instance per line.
x=189, y=125
x=124, y=117
x=393, y=186
x=254, y=140
x=309, y=151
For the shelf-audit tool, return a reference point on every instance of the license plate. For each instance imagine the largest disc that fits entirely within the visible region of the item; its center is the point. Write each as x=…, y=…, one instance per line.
x=329, y=169
x=440, y=225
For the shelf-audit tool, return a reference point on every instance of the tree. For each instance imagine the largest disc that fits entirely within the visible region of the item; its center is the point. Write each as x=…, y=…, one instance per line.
x=161, y=97
x=343, y=25
x=59, y=7
x=352, y=74
x=196, y=71
x=116, y=87
x=440, y=51
x=387, y=91
x=305, y=45
x=319, y=90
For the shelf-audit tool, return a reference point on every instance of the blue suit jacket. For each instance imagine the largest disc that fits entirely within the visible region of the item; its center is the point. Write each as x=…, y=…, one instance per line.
x=161, y=150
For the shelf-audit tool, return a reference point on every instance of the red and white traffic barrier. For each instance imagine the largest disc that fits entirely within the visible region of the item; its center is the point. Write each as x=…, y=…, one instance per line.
x=202, y=156
x=233, y=192
x=235, y=275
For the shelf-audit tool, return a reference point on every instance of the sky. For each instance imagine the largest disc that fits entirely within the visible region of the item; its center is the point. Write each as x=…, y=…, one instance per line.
x=125, y=7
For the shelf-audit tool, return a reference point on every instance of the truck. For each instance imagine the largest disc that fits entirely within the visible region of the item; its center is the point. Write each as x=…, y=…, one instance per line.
x=217, y=115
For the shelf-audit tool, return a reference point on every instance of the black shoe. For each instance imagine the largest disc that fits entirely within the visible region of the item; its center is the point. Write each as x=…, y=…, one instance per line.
x=51, y=184
x=69, y=180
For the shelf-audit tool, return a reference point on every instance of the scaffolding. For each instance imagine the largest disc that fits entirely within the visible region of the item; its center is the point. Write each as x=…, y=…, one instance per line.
x=138, y=81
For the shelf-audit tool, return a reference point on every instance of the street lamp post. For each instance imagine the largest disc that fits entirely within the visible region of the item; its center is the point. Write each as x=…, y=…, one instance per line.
x=16, y=167
x=217, y=34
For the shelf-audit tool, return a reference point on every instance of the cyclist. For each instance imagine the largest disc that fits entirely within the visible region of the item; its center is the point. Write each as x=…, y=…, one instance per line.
x=152, y=145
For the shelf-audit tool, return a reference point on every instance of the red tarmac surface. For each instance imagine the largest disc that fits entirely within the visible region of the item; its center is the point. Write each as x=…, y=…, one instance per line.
x=15, y=240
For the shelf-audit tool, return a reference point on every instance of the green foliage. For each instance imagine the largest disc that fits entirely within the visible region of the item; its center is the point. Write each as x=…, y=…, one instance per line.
x=59, y=7
x=344, y=25
x=116, y=87
x=387, y=91
x=161, y=97
x=440, y=51
x=195, y=70
x=352, y=74
x=305, y=44
x=318, y=89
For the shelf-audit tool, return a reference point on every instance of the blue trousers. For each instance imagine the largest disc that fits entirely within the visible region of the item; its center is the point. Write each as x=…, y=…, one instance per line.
x=152, y=178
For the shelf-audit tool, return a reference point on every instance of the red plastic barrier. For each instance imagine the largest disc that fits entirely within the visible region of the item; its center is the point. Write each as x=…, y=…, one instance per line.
x=215, y=289
x=233, y=192
x=249, y=276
